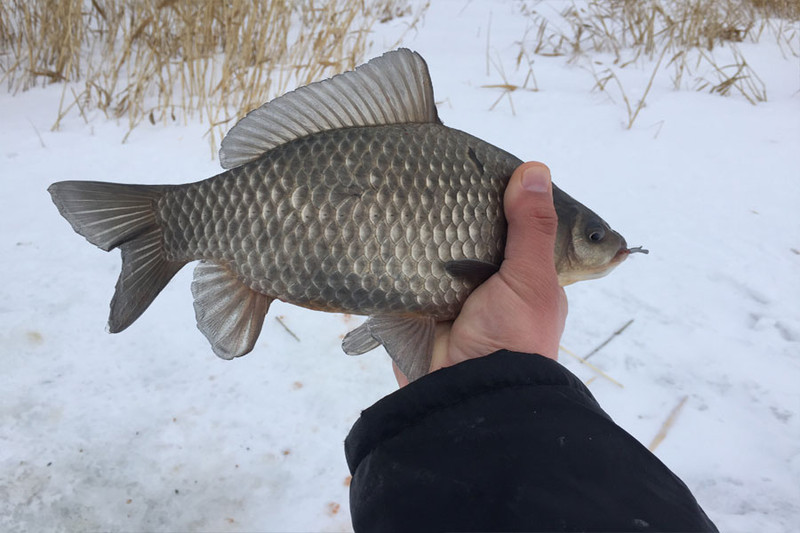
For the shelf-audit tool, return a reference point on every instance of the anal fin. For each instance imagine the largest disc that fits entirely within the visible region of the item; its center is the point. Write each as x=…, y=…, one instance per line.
x=228, y=313
x=359, y=341
x=407, y=340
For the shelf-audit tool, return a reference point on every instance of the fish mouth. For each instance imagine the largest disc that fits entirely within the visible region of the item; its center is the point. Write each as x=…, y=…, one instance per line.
x=620, y=256
x=624, y=252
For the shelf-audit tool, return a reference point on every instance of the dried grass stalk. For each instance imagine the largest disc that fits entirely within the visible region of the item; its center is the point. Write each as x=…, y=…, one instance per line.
x=583, y=361
x=668, y=423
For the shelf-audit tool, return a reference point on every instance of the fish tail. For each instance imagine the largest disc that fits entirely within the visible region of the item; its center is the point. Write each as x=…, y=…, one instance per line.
x=111, y=215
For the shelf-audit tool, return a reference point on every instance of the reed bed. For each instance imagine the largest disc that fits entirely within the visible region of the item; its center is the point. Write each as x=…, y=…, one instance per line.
x=695, y=41
x=168, y=60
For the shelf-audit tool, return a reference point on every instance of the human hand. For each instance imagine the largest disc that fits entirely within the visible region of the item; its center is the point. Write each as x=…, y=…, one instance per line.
x=522, y=307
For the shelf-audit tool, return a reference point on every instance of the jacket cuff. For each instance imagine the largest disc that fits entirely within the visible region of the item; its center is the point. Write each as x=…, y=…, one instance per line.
x=451, y=385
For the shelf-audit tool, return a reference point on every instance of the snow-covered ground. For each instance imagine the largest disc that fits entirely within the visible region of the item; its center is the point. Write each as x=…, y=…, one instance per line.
x=148, y=430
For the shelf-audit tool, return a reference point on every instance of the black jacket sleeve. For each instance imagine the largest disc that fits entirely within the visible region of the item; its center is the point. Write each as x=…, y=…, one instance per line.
x=507, y=442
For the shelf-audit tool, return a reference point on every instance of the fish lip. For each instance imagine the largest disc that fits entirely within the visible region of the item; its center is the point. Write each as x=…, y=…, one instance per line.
x=621, y=255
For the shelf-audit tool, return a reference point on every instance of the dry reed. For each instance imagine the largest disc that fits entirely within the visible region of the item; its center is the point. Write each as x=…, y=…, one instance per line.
x=167, y=60
x=696, y=40
x=610, y=338
x=583, y=361
x=667, y=425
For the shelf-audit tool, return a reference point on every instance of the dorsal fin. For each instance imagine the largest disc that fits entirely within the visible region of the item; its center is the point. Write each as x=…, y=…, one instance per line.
x=394, y=88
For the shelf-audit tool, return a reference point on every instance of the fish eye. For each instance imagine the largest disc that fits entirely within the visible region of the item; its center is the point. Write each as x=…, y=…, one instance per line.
x=596, y=234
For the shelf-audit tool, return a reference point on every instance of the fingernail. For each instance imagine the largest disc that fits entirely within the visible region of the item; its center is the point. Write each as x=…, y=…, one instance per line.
x=536, y=179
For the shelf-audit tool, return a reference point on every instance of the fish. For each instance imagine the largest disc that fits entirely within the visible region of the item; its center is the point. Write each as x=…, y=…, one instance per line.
x=347, y=195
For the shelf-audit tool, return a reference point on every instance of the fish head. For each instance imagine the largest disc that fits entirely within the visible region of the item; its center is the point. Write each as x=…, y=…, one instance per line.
x=586, y=246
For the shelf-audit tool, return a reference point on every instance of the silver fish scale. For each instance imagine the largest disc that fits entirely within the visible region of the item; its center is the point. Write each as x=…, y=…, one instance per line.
x=358, y=220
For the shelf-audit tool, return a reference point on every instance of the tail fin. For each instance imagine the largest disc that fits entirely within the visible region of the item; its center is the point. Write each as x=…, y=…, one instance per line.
x=113, y=215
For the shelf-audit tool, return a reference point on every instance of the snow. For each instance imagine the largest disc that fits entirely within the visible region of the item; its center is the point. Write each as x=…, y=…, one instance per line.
x=148, y=430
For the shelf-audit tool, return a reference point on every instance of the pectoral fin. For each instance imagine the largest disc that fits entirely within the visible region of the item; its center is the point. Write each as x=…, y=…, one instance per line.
x=407, y=340
x=228, y=313
x=471, y=269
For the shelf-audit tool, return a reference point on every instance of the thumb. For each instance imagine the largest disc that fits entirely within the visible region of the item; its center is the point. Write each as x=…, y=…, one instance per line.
x=532, y=227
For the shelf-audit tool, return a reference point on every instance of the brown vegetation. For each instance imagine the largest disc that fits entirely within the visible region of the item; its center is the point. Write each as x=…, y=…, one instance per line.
x=681, y=35
x=164, y=60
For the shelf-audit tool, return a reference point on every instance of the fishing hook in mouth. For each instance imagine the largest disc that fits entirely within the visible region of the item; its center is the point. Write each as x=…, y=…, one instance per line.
x=638, y=250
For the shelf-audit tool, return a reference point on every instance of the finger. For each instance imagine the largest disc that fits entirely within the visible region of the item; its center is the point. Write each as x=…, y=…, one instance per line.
x=532, y=226
x=402, y=380
x=441, y=346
